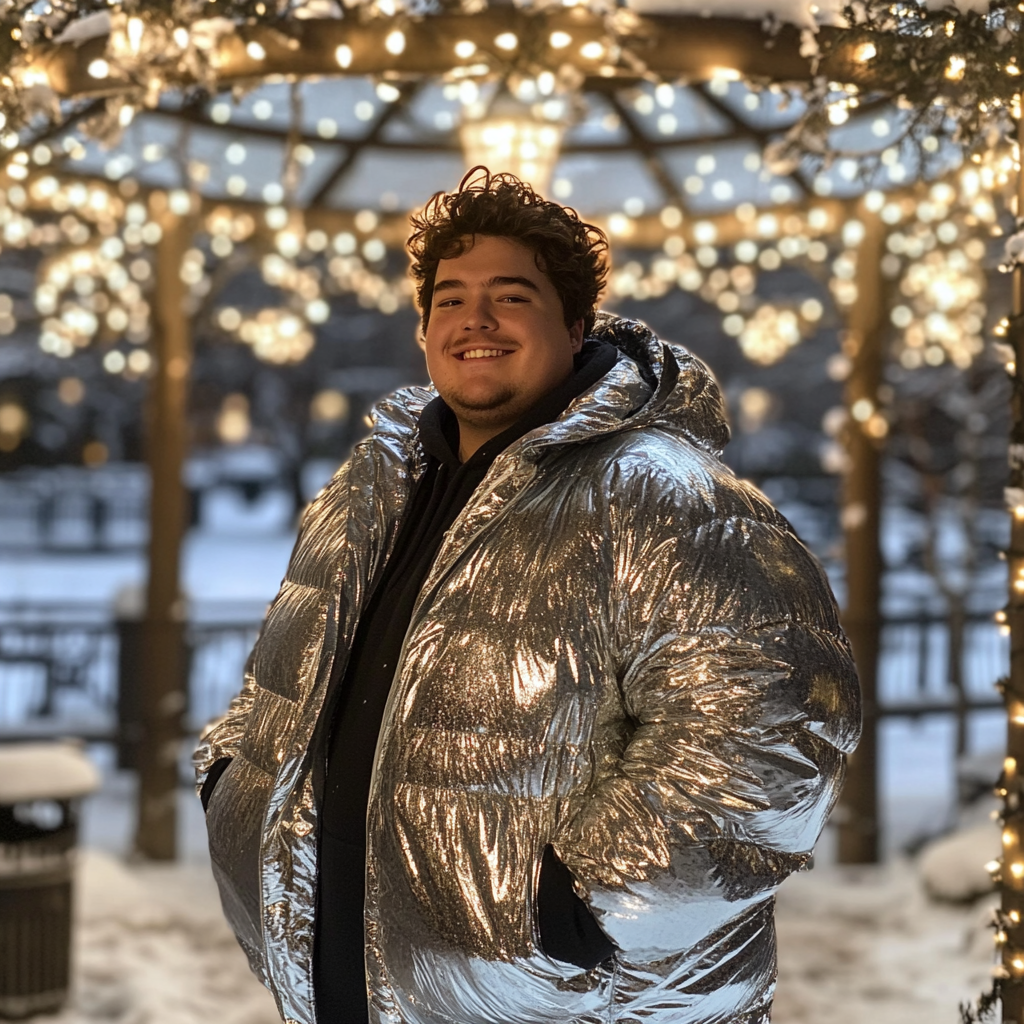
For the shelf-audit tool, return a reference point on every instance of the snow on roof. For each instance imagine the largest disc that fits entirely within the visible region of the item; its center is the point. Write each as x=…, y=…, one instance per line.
x=44, y=771
x=806, y=13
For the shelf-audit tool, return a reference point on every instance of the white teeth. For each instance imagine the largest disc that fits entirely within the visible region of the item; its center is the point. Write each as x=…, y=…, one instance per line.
x=481, y=353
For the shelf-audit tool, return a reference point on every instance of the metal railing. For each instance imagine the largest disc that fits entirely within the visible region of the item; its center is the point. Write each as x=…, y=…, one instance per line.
x=62, y=673
x=63, y=670
x=914, y=669
x=70, y=509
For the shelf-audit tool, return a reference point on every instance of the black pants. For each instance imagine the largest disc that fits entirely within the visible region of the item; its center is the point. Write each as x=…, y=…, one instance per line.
x=339, y=973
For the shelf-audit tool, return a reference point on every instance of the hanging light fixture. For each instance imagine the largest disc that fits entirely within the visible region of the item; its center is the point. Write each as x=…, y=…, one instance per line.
x=513, y=136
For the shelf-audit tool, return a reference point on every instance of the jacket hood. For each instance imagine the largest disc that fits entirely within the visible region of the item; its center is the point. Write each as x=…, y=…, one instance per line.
x=684, y=396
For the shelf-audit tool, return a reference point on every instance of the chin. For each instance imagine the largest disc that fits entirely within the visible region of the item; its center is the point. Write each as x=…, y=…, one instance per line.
x=498, y=417
x=477, y=406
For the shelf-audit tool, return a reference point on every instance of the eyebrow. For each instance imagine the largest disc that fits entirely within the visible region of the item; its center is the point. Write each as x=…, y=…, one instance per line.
x=495, y=282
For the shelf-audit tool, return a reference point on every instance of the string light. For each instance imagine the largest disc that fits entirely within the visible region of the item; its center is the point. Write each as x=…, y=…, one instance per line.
x=510, y=136
x=943, y=302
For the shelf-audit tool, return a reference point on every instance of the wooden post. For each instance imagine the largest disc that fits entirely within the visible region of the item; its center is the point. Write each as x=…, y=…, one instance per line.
x=1011, y=875
x=860, y=514
x=163, y=663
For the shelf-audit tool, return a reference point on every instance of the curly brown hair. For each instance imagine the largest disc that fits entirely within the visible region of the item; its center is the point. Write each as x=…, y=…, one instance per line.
x=572, y=253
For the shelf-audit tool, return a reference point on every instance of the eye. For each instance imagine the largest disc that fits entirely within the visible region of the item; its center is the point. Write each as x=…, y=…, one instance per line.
x=447, y=302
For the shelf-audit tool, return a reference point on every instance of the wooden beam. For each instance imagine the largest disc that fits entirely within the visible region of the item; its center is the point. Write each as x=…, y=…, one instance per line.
x=640, y=142
x=346, y=163
x=670, y=46
x=644, y=232
x=163, y=681
x=444, y=142
x=860, y=518
x=758, y=136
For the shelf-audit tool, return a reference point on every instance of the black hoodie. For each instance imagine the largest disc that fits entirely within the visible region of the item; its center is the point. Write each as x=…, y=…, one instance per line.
x=567, y=929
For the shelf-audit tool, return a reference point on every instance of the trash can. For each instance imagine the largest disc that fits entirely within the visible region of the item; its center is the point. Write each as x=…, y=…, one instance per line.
x=41, y=785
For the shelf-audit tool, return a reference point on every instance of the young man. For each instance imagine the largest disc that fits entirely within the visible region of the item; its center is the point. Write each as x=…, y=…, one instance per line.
x=568, y=696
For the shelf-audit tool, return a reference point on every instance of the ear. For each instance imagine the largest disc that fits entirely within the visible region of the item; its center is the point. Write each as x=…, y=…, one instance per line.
x=576, y=336
x=421, y=340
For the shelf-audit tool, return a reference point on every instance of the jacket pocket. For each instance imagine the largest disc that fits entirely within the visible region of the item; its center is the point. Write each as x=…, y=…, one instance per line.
x=566, y=928
x=217, y=769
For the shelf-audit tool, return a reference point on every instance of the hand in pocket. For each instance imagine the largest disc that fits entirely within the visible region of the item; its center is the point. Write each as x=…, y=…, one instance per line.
x=568, y=931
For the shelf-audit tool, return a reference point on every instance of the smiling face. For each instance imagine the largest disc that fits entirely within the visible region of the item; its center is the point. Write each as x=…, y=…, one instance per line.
x=496, y=340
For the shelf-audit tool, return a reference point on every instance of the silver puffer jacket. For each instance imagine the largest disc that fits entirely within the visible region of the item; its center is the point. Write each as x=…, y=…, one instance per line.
x=620, y=649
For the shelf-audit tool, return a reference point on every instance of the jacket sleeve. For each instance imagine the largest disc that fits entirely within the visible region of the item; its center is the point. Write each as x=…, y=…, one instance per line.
x=741, y=692
x=221, y=738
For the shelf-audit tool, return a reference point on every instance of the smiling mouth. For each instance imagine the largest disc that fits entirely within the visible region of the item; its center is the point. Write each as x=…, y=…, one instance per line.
x=483, y=353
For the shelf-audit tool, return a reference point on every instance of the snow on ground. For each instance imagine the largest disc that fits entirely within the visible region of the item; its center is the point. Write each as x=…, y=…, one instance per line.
x=151, y=947
x=855, y=946
x=150, y=942
x=216, y=567
x=868, y=945
x=953, y=868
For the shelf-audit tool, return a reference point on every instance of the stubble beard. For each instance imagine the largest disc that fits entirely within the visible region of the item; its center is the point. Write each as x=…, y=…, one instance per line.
x=485, y=412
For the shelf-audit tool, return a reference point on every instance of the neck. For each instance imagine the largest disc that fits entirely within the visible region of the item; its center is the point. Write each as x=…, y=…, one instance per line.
x=473, y=438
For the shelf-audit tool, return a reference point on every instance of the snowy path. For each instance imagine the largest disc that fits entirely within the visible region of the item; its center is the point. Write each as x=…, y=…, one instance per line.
x=151, y=947
x=867, y=946
x=855, y=947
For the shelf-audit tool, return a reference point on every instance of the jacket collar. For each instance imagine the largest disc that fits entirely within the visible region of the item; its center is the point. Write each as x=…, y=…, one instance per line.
x=653, y=384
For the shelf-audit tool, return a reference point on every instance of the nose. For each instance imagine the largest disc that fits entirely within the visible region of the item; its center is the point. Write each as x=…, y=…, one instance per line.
x=479, y=315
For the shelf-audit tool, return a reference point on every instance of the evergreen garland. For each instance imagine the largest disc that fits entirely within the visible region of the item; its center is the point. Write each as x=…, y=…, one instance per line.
x=955, y=74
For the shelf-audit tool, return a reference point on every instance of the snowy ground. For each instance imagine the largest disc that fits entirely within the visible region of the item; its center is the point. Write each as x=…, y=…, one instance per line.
x=854, y=947
x=216, y=567
x=151, y=947
x=867, y=945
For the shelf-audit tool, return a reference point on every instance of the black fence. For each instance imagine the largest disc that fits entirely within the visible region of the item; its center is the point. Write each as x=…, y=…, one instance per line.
x=63, y=669
x=914, y=670
x=69, y=508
